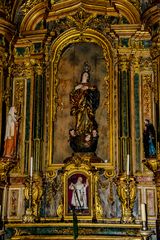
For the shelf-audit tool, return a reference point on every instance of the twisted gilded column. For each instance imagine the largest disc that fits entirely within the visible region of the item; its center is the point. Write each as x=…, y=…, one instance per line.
x=124, y=109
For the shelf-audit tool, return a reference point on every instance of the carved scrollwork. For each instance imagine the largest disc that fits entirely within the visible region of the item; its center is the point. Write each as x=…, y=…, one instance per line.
x=24, y=70
x=123, y=62
x=54, y=194
x=107, y=192
x=81, y=19
x=6, y=164
x=147, y=93
x=25, y=7
x=36, y=194
x=7, y=95
x=126, y=189
x=145, y=64
x=19, y=90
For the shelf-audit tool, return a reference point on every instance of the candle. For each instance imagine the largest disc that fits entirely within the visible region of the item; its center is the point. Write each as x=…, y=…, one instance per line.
x=143, y=212
x=31, y=167
x=128, y=163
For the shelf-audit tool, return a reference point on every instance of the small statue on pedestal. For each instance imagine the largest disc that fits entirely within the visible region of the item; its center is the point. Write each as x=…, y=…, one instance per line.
x=149, y=139
x=11, y=134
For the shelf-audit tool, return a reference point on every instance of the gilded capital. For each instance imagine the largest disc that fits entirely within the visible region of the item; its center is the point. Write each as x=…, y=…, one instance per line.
x=39, y=69
x=124, y=63
x=135, y=63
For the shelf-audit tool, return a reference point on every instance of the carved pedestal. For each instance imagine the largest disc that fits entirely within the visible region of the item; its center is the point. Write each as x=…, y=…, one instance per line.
x=6, y=165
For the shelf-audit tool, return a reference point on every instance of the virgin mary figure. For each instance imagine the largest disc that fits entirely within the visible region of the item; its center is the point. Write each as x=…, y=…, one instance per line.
x=85, y=100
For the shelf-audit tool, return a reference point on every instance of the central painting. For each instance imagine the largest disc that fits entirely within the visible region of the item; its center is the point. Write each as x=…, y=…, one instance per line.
x=83, y=67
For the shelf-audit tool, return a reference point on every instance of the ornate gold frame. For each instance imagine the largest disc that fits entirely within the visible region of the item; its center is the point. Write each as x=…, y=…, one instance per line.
x=75, y=36
x=69, y=171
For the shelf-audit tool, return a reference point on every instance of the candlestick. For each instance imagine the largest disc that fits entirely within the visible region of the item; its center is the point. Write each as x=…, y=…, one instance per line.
x=128, y=165
x=31, y=167
x=143, y=212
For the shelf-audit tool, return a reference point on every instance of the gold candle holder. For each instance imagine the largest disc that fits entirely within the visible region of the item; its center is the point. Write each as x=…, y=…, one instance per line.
x=29, y=217
x=127, y=193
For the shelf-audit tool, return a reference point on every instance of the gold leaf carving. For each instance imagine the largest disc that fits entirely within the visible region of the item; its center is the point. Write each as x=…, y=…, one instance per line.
x=27, y=5
x=147, y=95
x=19, y=90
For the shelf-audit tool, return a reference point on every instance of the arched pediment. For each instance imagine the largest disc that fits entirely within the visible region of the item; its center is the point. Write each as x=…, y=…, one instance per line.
x=45, y=11
x=127, y=9
x=33, y=17
x=73, y=39
x=152, y=15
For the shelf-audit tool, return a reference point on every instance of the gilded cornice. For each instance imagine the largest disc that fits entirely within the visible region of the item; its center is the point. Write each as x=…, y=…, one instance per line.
x=71, y=6
x=102, y=7
x=59, y=10
x=142, y=34
x=126, y=30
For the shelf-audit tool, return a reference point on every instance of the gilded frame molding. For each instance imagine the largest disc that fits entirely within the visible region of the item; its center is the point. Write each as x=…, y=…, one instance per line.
x=74, y=36
x=83, y=170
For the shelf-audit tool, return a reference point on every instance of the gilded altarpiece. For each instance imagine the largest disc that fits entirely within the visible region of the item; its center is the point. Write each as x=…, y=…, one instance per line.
x=68, y=74
x=68, y=62
x=56, y=39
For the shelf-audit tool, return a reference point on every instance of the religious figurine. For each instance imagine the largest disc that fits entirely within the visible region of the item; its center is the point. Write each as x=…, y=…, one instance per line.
x=149, y=139
x=79, y=194
x=10, y=145
x=85, y=101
